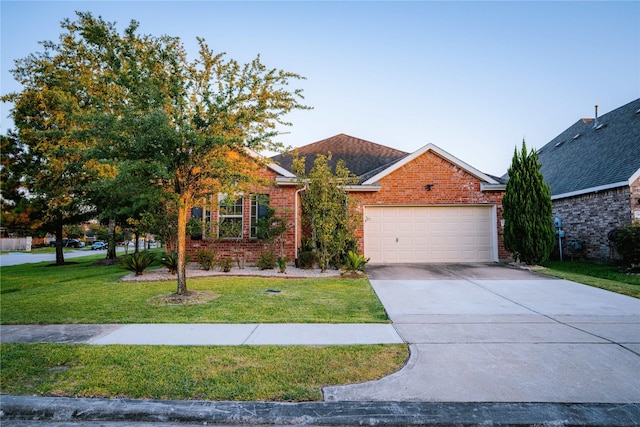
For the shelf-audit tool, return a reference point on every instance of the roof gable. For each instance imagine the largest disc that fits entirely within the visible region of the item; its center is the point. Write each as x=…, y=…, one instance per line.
x=360, y=156
x=270, y=165
x=440, y=152
x=590, y=155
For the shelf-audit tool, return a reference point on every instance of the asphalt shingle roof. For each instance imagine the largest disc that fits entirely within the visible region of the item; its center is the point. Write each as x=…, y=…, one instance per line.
x=584, y=156
x=361, y=157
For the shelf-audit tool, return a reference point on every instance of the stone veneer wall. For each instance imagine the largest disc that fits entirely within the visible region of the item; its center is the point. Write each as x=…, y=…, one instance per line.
x=635, y=199
x=451, y=186
x=589, y=218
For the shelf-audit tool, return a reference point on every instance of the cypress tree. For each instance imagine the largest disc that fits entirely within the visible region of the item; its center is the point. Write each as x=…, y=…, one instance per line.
x=529, y=233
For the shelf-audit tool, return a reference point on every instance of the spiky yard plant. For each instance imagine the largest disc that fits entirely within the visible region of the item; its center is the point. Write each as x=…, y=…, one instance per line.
x=138, y=262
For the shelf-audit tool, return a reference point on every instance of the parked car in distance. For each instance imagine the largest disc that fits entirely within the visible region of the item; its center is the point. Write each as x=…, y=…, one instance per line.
x=68, y=243
x=98, y=245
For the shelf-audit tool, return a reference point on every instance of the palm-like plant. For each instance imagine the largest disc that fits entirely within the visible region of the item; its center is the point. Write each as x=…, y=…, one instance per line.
x=138, y=262
x=354, y=263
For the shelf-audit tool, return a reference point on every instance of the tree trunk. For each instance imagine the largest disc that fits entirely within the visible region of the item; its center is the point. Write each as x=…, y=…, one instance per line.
x=136, y=240
x=111, y=245
x=59, y=251
x=182, y=245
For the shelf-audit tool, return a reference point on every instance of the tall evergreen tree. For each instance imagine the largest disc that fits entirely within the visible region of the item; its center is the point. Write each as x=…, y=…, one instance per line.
x=527, y=210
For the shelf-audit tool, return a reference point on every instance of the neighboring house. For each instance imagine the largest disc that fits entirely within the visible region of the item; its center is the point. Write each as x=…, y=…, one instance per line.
x=426, y=206
x=593, y=169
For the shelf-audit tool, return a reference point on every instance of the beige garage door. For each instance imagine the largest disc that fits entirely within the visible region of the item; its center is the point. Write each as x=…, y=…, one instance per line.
x=397, y=234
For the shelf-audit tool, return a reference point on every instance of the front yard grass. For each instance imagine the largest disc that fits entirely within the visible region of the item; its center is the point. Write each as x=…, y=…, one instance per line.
x=602, y=276
x=83, y=293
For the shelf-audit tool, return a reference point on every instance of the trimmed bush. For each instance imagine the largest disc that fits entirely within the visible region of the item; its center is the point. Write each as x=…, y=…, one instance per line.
x=206, y=259
x=626, y=240
x=267, y=261
x=306, y=259
x=282, y=264
x=226, y=264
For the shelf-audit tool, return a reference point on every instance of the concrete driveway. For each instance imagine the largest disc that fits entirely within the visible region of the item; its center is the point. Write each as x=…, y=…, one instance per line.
x=491, y=333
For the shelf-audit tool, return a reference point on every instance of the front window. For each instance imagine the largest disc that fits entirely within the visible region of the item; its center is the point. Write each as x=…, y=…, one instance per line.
x=230, y=218
x=200, y=222
x=259, y=211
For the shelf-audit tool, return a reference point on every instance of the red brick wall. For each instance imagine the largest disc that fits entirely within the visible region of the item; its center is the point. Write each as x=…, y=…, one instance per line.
x=282, y=199
x=451, y=186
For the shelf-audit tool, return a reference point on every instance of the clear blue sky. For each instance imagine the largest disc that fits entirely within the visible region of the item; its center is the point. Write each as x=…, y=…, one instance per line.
x=473, y=78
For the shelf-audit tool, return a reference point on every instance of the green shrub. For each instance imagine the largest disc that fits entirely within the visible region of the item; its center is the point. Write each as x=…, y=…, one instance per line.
x=354, y=263
x=626, y=240
x=306, y=259
x=225, y=264
x=282, y=264
x=137, y=262
x=206, y=259
x=267, y=260
x=171, y=262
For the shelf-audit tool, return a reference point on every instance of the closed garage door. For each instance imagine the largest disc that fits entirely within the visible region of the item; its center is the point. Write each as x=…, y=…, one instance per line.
x=397, y=234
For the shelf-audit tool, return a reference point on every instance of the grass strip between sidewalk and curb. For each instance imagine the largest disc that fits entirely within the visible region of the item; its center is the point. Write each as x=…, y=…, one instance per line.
x=245, y=373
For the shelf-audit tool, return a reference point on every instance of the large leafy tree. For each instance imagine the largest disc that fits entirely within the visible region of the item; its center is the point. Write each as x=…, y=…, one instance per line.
x=526, y=206
x=138, y=98
x=19, y=213
x=329, y=210
x=210, y=112
x=48, y=114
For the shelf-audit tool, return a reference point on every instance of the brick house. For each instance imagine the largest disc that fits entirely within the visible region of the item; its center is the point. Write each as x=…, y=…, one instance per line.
x=229, y=226
x=425, y=206
x=593, y=169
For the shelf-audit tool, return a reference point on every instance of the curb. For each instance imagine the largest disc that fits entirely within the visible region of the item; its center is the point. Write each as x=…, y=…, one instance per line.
x=43, y=409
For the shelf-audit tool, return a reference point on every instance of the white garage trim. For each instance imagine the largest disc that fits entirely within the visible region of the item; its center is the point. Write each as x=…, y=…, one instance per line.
x=430, y=233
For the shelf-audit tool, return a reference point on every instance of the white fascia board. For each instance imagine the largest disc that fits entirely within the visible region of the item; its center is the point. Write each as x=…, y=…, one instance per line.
x=361, y=188
x=286, y=181
x=590, y=190
x=274, y=167
x=430, y=147
x=635, y=176
x=280, y=170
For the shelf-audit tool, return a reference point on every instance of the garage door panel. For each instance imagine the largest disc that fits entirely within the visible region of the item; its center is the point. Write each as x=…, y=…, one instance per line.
x=429, y=234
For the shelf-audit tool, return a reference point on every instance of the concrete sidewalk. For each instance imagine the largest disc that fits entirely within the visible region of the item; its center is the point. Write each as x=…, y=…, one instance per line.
x=205, y=334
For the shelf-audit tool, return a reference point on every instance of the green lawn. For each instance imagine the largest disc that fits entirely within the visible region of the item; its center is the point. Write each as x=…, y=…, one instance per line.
x=603, y=276
x=273, y=373
x=82, y=293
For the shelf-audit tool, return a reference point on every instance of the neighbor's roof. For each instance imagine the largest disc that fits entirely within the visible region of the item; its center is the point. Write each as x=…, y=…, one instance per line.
x=586, y=158
x=361, y=157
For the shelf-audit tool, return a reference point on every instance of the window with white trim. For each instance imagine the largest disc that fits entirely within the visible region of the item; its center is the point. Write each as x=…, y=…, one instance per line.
x=230, y=214
x=201, y=216
x=259, y=210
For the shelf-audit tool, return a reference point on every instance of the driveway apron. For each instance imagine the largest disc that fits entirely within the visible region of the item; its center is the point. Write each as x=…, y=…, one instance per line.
x=491, y=333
